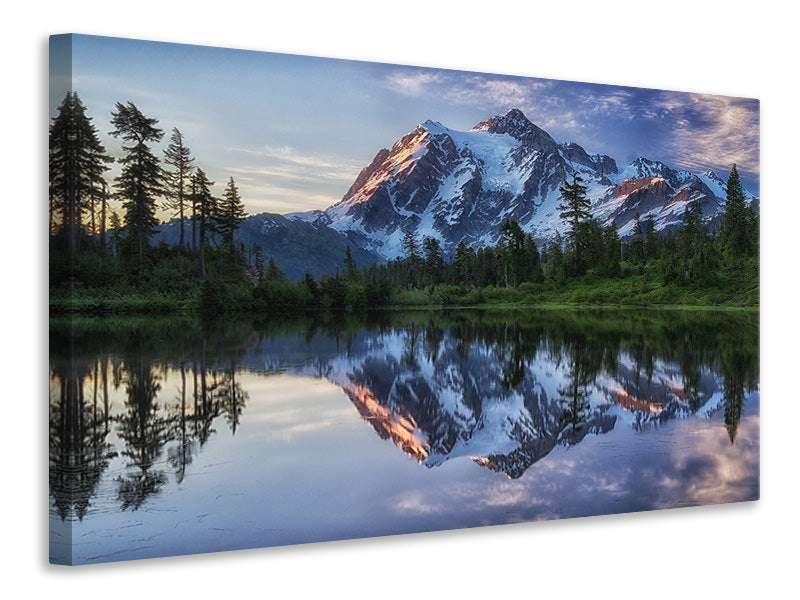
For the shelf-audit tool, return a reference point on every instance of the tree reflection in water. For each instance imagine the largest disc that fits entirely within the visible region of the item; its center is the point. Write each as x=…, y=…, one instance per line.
x=503, y=388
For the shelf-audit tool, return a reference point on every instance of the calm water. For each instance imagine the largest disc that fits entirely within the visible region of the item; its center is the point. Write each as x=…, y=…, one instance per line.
x=175, y=436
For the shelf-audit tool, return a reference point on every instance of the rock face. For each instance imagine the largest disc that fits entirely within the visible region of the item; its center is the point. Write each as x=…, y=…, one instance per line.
x=460, y=186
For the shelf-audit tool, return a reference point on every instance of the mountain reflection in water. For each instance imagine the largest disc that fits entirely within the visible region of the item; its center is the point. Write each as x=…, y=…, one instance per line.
x=503, y=389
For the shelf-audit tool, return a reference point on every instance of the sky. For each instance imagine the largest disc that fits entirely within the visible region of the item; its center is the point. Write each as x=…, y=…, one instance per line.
x=294, y=131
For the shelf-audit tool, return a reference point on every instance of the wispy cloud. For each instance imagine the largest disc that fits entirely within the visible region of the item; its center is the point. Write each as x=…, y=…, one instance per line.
x=617, y=103
x=263, y=194
x=712, y=131
x=286, y=161
x=412, y=82
x=465, y=89
x=284, y=179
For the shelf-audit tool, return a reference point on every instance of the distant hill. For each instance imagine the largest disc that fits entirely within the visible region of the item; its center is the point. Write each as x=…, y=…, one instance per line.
x=297, y=245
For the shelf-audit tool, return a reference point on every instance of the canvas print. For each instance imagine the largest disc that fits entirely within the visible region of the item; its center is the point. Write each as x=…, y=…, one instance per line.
x=298, y=299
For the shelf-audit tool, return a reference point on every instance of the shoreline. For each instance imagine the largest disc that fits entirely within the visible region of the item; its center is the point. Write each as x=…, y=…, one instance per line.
x=178, y=310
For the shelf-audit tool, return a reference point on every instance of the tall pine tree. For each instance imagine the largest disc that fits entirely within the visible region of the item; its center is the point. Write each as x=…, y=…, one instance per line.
x=141, y=180
x=434, y=263
x=574, y=209
x=206, y=209
x=231, y=214
x=179, y=157
x=651, y=241
x=465, y=263
x=350, y=269
x=736, y=233
x=512, y=248
x=411, y=255
x=77, y=161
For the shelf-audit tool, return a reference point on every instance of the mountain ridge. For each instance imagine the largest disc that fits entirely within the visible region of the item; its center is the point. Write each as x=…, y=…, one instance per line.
x=460, y=186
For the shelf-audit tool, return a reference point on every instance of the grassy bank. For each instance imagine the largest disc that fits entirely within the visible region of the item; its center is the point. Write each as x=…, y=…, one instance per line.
x=634, y=291
x=100, y=301
x=637, y=290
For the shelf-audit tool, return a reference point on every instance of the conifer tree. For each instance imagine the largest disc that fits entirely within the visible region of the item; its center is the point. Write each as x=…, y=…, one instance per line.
x=434, y=263
x=612, y=250
x=77, y=161
x=735, y=229
x=410, y=245
x=141, y=180
x=274, y=274
x=206, y=208
x=465, y=264
x=574, y=209
x=116, y=231
x=533, y=262
x=637, y=240
x=349, y=265
x=692, y=231
x=411, y=255
x=103, y=215
x=512, y=242
x=231, y=214
x=650, y=239
x=179, y=157
x=555, y=257
x=257, y=255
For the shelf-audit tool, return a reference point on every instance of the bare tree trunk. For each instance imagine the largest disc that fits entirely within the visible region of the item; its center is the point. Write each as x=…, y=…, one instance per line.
x=180, y=207
x=92, y=219
x=202, y=251
x=103, y=208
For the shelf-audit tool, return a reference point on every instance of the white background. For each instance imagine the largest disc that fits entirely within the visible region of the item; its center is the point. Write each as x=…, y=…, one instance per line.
x=731, y=48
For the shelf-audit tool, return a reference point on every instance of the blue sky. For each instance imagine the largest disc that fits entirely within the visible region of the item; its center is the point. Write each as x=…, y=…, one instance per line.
x=294, y=131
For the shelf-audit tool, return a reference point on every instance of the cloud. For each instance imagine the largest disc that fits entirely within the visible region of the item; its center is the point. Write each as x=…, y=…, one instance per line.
x=481, y=91
x=412, y=83
x=712, y=131
x=465, y=88
x=617, y=103
x=263, y=196
x=288, y=160
x=284, y=179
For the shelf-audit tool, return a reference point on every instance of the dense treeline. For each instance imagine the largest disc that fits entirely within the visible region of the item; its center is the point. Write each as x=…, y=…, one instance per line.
x=691, y=264
x=100, y=261
x=108, y=254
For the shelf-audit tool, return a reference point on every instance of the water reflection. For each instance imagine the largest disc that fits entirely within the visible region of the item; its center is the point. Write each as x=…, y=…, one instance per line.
x=503, y=389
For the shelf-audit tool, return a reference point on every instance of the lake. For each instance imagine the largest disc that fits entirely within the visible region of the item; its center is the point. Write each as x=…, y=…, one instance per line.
x=176, y=436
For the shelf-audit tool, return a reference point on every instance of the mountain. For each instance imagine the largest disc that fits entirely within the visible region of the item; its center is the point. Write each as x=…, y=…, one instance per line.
x=461, y=185
x=455, y=185
x=299, y=243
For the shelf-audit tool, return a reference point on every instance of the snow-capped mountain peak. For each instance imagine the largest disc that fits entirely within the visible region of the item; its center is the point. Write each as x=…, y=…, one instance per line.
x=461, y=185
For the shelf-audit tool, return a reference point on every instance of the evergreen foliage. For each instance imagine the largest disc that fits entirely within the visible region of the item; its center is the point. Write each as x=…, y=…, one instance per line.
x=205, y=209
x=112, y=265
x=77, y=161
x=434, y=263
x=231, y=214
x=739, y=221
x=350, y=268
x=141, y=180
x=574, y=209
x=179, y=157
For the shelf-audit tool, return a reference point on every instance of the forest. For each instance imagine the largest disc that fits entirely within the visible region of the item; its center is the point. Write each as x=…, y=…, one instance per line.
x=102, y=260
